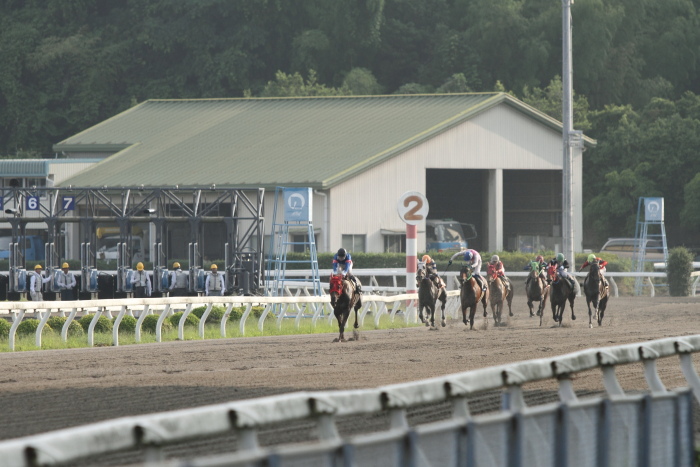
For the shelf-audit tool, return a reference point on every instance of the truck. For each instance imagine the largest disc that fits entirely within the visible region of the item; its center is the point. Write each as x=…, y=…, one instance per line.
x=33, y=248
x=108, y=238
x=447, y=234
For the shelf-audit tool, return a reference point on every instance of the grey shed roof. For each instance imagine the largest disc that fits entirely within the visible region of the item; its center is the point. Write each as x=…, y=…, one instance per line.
x=24, y=168
x=266, y=142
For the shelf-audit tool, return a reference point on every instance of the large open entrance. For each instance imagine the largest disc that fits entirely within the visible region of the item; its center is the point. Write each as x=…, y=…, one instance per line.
x=458, y=194
x=532, y=210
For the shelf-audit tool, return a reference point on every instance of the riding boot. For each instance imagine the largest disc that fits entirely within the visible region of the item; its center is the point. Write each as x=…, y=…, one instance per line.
x=483, y=284
x=571, y=283
x=358, y=286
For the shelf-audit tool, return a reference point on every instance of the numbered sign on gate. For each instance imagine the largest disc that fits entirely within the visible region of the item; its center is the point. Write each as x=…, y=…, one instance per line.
x=68, y=203
x=32, y=203
x=413, y=207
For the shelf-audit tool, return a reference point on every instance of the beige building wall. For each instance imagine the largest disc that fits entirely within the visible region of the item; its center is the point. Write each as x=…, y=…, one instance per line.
x=500, y=138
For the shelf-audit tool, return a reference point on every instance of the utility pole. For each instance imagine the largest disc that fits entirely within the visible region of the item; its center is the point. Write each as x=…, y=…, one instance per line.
x=567, y=121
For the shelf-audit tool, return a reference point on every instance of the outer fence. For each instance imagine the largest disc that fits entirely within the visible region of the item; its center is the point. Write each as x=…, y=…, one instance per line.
x=651, y=429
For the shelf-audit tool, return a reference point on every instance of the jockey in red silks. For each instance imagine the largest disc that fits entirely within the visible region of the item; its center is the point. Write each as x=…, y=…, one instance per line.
x=431, y=270
x=495, y=267
x=473, y=259
x=601, y=266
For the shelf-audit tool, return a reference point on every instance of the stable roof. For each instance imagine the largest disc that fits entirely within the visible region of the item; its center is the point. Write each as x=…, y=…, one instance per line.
x=266, y=142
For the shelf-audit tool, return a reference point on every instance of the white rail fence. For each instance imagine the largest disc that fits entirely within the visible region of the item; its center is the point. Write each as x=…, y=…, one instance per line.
x=370, y=277
x=654, y=428
x=301, y=306
x=296, y=305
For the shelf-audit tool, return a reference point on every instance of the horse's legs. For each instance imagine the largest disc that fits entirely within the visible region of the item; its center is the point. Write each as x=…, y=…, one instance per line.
x=472, y=312
x=341, y=325
x=358, y=305
x=601, y=307
x=443, y=299
x=571, y=304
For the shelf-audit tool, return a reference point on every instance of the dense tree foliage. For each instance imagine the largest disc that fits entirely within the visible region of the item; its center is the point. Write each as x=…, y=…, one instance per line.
x=68, y=64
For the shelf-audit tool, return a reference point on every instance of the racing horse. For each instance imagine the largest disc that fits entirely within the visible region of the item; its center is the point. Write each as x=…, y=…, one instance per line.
x=596, y=293
x=428, y=294
x=499, y=294
x=470, y=295
x=560, y=292
x=343, y=299
x=536, y=290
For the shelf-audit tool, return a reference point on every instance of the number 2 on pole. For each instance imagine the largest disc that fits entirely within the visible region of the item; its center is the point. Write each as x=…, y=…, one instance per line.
x=411, y=213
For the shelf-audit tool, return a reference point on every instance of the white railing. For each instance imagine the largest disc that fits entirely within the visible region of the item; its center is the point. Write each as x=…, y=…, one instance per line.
x=297, y=305
x=301, y=306
x=371, y=275
x=615, y=430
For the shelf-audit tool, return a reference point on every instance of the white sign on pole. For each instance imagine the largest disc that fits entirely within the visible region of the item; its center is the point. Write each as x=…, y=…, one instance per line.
x=413, y=207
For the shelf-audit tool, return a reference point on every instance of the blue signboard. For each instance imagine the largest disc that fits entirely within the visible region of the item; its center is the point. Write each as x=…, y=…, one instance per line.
x=33, y=203
x=654, y=209
x=68, y=203
x=297, y=204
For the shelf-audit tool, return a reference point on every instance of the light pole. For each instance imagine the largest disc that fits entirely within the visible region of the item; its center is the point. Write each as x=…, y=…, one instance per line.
x=567, y=130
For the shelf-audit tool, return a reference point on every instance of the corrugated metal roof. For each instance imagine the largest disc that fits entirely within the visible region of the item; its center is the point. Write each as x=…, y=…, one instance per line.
x=24, y=167
x=267, y=142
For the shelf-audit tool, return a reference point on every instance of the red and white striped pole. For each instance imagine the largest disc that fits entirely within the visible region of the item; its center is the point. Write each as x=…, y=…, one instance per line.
x=411, y=257
x=413, y=209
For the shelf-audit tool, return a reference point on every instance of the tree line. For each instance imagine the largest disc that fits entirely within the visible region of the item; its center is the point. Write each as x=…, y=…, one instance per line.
x=69, y=64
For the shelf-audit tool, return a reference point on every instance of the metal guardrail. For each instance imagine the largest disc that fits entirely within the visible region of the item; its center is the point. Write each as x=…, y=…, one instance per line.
x=619, y=429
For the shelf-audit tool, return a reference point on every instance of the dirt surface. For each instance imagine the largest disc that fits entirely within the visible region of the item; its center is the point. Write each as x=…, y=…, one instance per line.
x=48, y=390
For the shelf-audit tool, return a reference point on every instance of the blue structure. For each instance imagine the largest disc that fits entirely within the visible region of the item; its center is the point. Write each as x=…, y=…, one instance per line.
x=296, y=207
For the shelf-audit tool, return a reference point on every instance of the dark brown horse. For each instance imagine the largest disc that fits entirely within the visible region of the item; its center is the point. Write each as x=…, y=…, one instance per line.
x=428, y=294
x=499, y=294
x=596, y=294
x=343, y=299
x=536, y=290
x=559, y=292
x=470, y=295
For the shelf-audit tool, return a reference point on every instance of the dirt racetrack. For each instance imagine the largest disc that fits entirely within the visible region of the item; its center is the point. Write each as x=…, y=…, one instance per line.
x=48, y=390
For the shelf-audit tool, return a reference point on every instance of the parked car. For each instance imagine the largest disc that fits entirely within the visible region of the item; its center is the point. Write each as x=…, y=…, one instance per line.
x=625, y=248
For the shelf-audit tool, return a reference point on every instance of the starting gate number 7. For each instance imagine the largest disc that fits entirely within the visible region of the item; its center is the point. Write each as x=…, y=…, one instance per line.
x=68, y=203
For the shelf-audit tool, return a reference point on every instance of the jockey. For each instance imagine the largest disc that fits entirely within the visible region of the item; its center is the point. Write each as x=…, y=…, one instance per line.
x=496, y=267
x=343, y=260
x=541, y=269
x=601, y=266
x=562, y=266
x=473, y=259
x=431, y=270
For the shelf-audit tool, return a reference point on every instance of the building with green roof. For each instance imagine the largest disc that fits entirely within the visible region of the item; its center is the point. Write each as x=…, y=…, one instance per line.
x=485, y=159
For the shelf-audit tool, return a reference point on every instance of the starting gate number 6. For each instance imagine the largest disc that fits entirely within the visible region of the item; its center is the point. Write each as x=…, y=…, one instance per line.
x=32, y=203
x=413, y=207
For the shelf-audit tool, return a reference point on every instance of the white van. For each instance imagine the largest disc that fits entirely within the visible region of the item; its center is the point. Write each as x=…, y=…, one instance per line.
x=108, y=250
